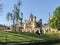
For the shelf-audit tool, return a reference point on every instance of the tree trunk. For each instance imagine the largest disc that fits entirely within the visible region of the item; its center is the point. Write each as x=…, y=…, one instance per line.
x=14, y=26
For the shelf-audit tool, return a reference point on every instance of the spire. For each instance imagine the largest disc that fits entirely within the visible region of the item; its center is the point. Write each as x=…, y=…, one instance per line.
x=34, y=16
x=19, y=2
x=31, y=15
x=49, y=15
x=49, y=20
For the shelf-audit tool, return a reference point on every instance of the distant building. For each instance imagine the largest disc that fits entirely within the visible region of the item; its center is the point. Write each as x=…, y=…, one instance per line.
x=30, y=25
x=3, y=27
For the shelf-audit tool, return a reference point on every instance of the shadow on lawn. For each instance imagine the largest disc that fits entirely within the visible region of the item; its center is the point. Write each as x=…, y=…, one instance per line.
x=43, y=36
x=27, y=34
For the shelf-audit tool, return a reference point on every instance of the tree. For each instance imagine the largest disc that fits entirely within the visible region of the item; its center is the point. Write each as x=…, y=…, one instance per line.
x=55, y=21
x=15, y=16
x=39, y=24
x=11, y=17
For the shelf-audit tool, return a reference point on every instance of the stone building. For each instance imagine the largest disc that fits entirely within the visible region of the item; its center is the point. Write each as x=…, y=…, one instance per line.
x=45, y=28
x=3, y=27
x=29, y=25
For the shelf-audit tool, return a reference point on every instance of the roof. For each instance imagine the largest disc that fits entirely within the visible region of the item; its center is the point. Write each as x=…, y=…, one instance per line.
x=31, y=15
x=2, y=25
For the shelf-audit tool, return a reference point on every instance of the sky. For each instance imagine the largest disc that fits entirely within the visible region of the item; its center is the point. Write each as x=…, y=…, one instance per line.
x=39, y=8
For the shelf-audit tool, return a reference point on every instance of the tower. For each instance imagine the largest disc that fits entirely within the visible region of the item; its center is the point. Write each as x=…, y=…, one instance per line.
x=49, y=16
x=31, y=17
x=40, y=21
x=34, y=19
x=49, y=20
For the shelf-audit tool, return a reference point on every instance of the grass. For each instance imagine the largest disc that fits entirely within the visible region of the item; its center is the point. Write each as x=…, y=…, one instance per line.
x=56, y=44
x=26, y=36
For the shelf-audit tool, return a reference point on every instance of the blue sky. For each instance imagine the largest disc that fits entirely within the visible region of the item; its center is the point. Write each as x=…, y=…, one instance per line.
x=39, y=8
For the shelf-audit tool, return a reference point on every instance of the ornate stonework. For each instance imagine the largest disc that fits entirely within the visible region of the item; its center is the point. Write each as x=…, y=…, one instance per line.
x=30, y=25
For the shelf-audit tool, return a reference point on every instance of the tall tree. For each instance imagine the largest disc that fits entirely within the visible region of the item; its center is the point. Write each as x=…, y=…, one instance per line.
x=11, y=17
x=55, y=21
x=15, y=16
x=39, y=24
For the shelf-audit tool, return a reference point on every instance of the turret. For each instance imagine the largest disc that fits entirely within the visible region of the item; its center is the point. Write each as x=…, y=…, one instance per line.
x=34, y=19
x=31, y=17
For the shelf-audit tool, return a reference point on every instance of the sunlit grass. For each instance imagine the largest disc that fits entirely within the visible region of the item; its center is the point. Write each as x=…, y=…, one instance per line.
x=56, y=44
x=26, y=36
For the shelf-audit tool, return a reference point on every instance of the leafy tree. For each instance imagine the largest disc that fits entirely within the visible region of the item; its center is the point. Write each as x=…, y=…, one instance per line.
x=55, y=21
x=11, y=17
x=15, y=15
x=39, y=24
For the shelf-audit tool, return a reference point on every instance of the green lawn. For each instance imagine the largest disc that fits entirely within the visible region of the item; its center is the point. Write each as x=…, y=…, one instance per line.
x=25, y=36
x=56, y=44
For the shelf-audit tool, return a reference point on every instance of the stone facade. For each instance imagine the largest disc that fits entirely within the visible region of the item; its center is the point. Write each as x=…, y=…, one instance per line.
x=3, y=27
x=29, y=25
